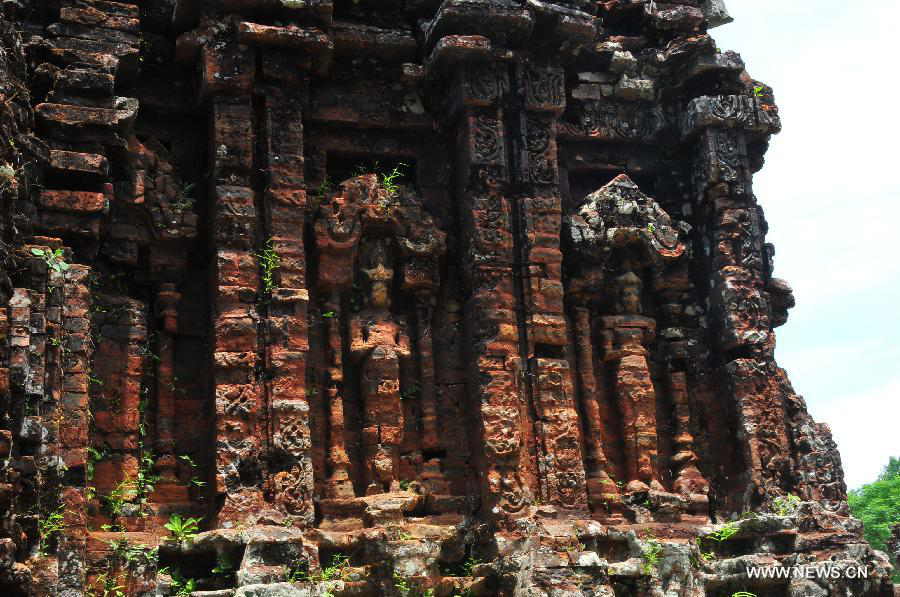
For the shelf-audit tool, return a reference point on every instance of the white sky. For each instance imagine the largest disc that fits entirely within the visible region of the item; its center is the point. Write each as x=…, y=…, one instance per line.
x=831, y=193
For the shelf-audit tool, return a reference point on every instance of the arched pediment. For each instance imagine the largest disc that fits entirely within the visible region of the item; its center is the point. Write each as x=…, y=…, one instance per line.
x=619, y=215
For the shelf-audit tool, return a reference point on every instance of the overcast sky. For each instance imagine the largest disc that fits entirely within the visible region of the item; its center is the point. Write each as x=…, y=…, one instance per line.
x=831, y=194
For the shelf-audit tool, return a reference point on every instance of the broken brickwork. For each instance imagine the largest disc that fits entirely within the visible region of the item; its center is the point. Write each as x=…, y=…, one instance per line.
x=397, y=298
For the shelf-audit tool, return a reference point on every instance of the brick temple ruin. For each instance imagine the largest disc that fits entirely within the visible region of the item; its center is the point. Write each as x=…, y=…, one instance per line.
x=422, y=297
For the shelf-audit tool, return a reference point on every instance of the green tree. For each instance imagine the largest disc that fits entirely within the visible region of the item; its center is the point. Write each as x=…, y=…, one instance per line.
x=877, y=505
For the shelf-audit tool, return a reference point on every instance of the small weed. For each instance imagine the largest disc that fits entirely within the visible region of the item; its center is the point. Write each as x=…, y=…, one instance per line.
x=54, y=258
x=329, y=314
x=720, y=535
x=786, y=505
x=743, y=594
x=196, y=482
x=389, y=180
x=758, y=91
x=650, y=554
x=401, y=583
x=337, y=569
x=726, y=532
x=110, y=586
x=134, y=555
x=706, y=556
x=94, y=456
x=324, y=188
x=269, y=262
x=182, y=587
x=298, y=572
x=183, y=529
x=49, y=527
x=468, y=566
x=146, y=479
x=116, y=499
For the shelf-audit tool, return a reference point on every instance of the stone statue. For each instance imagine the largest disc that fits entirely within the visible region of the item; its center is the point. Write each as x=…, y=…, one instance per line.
x=625, y=337
x=379, y=341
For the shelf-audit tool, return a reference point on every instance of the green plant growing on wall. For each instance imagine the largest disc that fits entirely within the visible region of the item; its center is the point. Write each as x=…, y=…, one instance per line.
x=651, y=552
x=195, y=481
x=324, y=188
x=181, y=586
x=54, y=258
x=758, y=91
x=183, y=529
x=110, y=586
x=743, y=594
x=720, y=535
x=724, y=533
x=114, y=503
x=269, y=262
x=134, y=555
x=405, y=589
x=785, y=505
x=298, y=572
x=389, y=179
x=94, y=456
x=468, y=566
x=337, y=569
x=49, y=528
x=706, y=556
x=146, y=479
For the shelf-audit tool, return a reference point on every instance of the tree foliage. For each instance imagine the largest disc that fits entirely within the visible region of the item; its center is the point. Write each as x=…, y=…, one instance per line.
x=877, y=505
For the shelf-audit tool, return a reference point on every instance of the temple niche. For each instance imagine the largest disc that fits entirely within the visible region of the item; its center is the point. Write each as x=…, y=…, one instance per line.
x=377, y=259
x=627, y=267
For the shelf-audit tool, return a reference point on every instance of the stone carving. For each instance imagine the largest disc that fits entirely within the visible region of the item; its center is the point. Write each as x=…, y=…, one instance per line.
x=488, y=343
x=380, y=341
x=382, y=234
x=487, y=141
x=612, y=120
x=544, y=88
x=621, y=231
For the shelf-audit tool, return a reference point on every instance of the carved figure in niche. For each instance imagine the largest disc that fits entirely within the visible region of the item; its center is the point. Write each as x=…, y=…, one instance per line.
x=338, y=230
x=625, y=337
x=379, y=341
x=625, y=243
x=388, y=243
